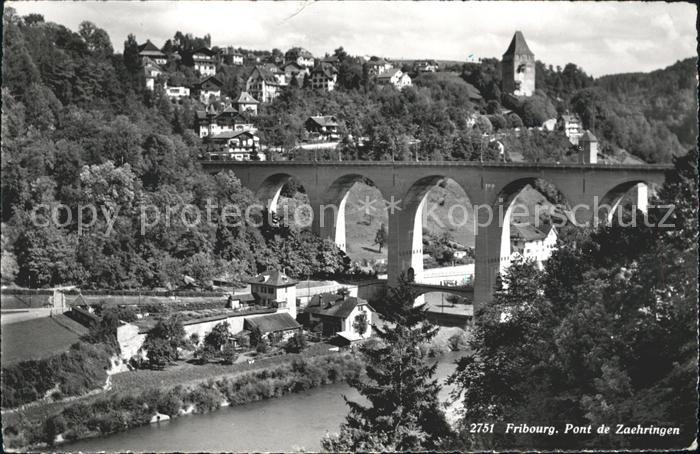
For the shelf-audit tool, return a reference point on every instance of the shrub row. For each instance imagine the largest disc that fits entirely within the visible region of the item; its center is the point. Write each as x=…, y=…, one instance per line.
x=123, y=411
x=144, y=292
x=82, y=368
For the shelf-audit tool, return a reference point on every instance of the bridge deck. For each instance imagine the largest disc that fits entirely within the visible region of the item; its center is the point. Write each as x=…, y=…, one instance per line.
x=477, y=164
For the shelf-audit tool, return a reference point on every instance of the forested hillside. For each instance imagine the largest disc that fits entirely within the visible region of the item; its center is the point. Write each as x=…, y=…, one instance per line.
x=80, y=130
x=650, y=115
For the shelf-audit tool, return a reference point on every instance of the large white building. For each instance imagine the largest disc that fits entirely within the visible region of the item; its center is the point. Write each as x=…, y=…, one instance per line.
x=394, y=77
x=531, y=243
x=275, y=288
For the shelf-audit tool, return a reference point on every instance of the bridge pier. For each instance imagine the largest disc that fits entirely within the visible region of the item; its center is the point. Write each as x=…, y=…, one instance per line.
x=405, y=242
x=491, y=250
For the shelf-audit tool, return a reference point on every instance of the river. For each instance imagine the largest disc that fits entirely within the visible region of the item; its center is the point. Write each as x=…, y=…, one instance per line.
x=289, y=423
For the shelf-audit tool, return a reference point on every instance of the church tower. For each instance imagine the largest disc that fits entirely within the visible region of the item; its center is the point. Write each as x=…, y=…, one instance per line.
x=518, y=68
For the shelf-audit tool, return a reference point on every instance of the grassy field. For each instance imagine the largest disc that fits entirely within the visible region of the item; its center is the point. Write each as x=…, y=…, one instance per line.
x=184, y=373
x=39, y=338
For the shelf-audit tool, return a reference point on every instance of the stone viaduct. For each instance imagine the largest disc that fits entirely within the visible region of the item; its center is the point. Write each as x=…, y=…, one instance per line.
x=327, y=183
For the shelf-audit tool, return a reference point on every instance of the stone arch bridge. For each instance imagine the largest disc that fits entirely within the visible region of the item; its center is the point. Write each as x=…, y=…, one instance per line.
x=584, y=187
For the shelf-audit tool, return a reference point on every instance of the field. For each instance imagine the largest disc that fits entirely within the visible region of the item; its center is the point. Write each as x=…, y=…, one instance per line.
x=185, y=373
x=39, y=338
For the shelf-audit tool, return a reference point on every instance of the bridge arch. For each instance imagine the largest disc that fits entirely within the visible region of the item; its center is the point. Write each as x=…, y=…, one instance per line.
x=493, y=246
x=407, y=224
x=333, y=208
x=636, y=189
x=270, y=190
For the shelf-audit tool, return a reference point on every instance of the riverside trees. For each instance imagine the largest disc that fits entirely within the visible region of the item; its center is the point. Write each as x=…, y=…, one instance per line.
x=404, y=412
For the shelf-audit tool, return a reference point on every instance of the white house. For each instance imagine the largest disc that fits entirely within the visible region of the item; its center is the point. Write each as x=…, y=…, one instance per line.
x=374, y=68
x=530, y=242
x=151, y=70
x=177, y=92
x=300, y=56
x=246, y=103
x=394, y=77
x=324, y=77
x=340, y=314
x=208, y=88
x=275, y=288
x=235, y=146
x=571, y=126
x=263, y=85
x=204, y=61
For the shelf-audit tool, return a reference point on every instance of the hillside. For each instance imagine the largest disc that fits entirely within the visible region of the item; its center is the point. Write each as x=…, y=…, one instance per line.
x=650, y=115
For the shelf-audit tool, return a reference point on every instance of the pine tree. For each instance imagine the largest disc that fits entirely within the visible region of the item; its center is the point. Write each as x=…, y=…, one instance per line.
x=404, y=412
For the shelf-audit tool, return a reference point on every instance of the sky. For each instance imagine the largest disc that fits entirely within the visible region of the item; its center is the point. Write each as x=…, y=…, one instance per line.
x=601, y=37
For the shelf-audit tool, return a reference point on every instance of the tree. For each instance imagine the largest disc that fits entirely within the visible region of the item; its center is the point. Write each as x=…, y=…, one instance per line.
x=606, y=332
x=360, y=323
x=404, y=412
x=218, y=337
x=163, y=341
x=229, y=354
x=296, y=343
x=256, y=336
x=381, y=237
x=97, y=39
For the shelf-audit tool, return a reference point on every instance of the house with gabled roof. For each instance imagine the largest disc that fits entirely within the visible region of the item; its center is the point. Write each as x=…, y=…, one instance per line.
x=277, y=289
x=262, y=84
x=211, y=122
x=246, y=103
x=241, y=145
x=373, y=68
x=204, y=61
x=348, y=317
x=425, y=66
x=324, y=77
x=533, y=242
x=151, y=71
x=207, y=88
x=396, y=78
x=149, y=50
x=295, y=74
x=322, y=127
x=276, y=328
x=300, y=56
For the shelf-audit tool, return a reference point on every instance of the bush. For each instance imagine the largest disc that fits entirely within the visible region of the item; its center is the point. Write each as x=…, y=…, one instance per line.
x=296, y=344
x=80, y=369
x=262, y=346
x=457, y=342
x=229, y=354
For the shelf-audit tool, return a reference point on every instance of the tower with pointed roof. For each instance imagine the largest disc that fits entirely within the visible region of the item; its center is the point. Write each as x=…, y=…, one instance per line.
x=518, y=67
x=589, y=148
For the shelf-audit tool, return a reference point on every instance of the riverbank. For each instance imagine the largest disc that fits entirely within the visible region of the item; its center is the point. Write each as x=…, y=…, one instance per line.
x=292, y=423
x=122, y=410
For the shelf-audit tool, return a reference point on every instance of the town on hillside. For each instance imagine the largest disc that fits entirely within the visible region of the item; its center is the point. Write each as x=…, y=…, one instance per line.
x=225, y=115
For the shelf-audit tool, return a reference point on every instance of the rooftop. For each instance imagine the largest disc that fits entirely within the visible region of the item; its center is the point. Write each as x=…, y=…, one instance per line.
x=529, y=232
x=388, y=74
x=518, y=46
x=273, y=322
x=324, y=120
x=334, y=305
x=274, y=278
x=246, y=98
